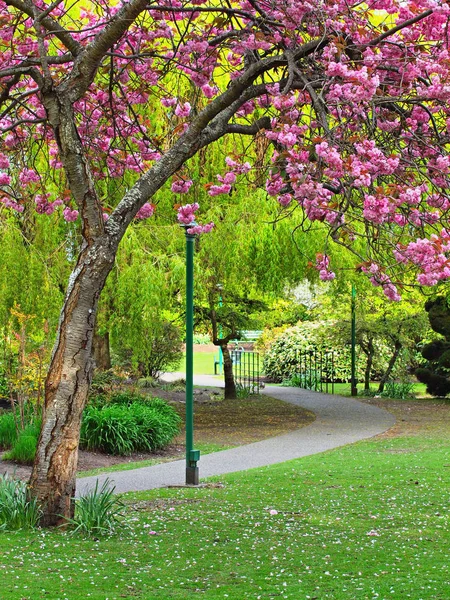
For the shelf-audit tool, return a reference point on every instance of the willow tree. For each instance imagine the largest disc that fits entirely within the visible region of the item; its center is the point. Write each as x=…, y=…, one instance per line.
x=355, y=103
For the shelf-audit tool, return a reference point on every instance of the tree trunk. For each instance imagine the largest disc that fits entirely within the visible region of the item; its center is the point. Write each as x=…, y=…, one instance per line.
x=52, y=480
x=230, y=386
x=397, y=347
x=100, y=351
x=369, y=351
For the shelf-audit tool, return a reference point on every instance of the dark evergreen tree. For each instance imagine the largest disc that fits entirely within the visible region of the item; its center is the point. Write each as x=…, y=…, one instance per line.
x=436, y=373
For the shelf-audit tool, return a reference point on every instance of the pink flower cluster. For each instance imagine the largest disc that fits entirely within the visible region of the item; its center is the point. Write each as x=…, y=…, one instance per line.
x=323, y=266
x=430, y=255
x=69, y=214
x=186, y=213
x=145, y=211
x=228, y=179
x=186, y=216
x=380, y=279
x=181, y=186
x=44, y=206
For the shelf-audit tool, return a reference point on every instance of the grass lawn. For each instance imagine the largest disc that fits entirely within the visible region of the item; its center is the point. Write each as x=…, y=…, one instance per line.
x=344, y=389
x=365, y=521
x=203, y=363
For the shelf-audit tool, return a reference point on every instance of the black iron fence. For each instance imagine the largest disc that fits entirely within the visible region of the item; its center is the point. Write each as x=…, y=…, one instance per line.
x=246, y=370
x=315, y=371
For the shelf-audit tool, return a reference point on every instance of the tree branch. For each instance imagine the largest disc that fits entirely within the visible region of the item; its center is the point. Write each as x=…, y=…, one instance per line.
x=398, y=27
x=90, y=58
x=50, y=25
x=263, y=123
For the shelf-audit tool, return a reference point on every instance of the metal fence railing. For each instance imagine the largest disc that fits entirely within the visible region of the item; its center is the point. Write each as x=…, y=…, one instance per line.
x=316, y=371
x=246, y=370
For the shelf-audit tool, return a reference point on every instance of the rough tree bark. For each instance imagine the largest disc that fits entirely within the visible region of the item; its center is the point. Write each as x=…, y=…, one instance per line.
x=101, y=351
x=397, y=347
x=228, y=375
x=66, y=389
x=369, y=351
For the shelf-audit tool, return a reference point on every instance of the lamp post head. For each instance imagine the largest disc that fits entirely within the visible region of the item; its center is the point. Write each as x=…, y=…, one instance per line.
x=187, y=227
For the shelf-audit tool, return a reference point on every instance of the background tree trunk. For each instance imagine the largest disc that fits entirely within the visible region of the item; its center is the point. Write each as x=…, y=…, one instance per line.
x=52, y=480
x=101, y=351
x=230, y=386
x=397, y=347
x=369, y=351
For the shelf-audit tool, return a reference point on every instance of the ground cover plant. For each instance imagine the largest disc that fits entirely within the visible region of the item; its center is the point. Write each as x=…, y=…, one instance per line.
x=368, y=520
x=219, y=424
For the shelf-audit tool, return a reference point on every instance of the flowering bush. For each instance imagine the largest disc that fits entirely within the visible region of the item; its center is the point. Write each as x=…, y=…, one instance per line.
x=282, y=360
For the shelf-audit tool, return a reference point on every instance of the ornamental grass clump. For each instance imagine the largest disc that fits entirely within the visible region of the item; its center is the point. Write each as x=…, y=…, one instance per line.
x=141, y=426
x=99, y=512
x=17, y=510
x=8, y=430
x=23, y=448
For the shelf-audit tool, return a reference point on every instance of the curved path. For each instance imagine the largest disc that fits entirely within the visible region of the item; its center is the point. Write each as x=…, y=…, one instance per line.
x=339, y=421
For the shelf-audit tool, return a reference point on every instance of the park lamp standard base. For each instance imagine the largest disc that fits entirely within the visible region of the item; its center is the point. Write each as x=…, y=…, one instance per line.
x=192, y=477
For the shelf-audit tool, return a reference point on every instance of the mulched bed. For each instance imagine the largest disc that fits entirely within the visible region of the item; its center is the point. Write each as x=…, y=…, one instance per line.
x=217, y=421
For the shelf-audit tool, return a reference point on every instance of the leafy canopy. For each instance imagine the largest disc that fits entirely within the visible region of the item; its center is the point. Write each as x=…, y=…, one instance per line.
x=353, y=100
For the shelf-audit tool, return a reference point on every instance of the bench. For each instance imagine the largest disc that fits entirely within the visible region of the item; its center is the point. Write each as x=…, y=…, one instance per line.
x=235, y=354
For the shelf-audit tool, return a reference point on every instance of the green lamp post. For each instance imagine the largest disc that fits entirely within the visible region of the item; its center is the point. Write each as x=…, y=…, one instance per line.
x=354, y=388
x=192, y=456
x=219, y=286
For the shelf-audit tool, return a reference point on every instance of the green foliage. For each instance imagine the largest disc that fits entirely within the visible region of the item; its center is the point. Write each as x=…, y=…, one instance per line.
x=23, y=449
x=202, y=338
x=282, y=361
x=243, y=391
x=17, y=511
x=99, y=512
x=147, y=382
x=104, y=382
x=307, y=380
x=129, y=427
x=162, y=351
x=398, y=390
x=8, y=430
x=125, y=398
x=4, y=385
x=436, y=372
x=111, y=429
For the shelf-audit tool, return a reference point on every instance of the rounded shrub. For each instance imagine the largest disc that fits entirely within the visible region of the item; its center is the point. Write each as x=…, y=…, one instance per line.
x=143, y=425
x=110, y=428
x=283, y=359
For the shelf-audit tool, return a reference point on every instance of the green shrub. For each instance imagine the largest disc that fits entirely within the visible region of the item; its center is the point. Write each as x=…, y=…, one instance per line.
x=8, y=431
x=308, y=380
x=23, y=450
x=243, y=391
x=104, y=382
x=126, y=398
x=98, y=512
x=160, y=349
x=17, y=511
x=4, y=385
x=157, y=427
x=398, y=390
x=282, y=359
x=147, y=382
x=144, y=425
x=110, y=428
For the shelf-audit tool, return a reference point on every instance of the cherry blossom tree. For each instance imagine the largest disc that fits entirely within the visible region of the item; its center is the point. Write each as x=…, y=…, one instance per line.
x=353, y=99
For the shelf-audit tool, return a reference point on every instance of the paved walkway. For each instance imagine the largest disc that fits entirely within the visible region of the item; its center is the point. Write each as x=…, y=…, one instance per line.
x=339, y=421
